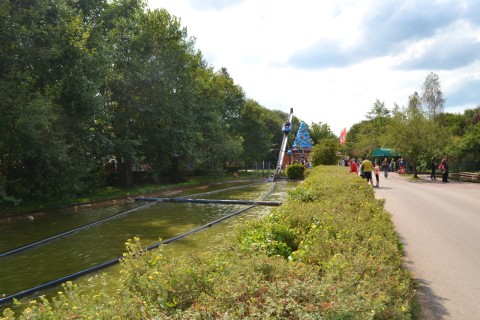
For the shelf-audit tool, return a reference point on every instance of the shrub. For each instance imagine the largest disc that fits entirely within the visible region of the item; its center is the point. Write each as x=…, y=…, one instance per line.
x=295, y=171
x=325, y=153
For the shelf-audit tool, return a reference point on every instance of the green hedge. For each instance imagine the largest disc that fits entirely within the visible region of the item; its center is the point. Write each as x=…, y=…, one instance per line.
x=295, y=171
x=330, y=252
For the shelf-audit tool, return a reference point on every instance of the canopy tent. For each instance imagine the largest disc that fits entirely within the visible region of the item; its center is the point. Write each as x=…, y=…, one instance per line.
x=384, y=152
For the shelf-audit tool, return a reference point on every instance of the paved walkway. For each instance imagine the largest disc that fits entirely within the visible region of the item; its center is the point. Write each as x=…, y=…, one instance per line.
x=439, y=224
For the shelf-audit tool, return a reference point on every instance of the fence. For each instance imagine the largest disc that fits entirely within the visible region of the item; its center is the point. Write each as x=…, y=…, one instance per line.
x=464, y=165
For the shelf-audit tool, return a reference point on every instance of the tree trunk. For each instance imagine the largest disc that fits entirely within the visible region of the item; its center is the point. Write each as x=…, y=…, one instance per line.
x=415, y=176
x=176, y=174
x=125, y=168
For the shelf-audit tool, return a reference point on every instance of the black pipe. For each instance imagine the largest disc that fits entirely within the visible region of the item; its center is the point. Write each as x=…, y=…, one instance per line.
x=184, y=200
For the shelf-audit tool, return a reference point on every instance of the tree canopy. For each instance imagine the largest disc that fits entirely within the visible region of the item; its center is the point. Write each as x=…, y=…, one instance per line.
x=88, y=83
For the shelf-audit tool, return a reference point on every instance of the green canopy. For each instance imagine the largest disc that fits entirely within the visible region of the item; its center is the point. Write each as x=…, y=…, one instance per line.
x=384, y=152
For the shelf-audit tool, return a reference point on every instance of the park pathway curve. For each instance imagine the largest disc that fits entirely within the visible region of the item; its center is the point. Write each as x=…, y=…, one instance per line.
x=439, y=225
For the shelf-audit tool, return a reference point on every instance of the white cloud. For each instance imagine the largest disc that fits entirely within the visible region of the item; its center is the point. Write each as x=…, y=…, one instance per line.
x=330, y=60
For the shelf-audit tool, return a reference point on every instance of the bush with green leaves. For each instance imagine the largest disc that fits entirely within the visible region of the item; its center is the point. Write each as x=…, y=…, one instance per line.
x=329, y=252
x=325, y=153
x=295, y=171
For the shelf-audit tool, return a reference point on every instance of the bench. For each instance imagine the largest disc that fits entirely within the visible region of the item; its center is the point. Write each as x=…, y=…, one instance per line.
x=470, y=176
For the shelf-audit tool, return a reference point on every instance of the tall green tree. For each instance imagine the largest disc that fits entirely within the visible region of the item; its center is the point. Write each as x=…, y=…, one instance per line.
x=218, y=104
x=367, y=135
x=379, y=118
x=378, y=112
x=48, y=93
x=464, y=135
x=412, y=134
x=165, y=110
x=256, y=139
x=325, y=153
x=274, y=120
x=320, y=131
x=432, y=95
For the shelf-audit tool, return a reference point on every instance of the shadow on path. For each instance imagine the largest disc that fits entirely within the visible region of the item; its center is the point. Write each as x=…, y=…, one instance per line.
x=431, y=305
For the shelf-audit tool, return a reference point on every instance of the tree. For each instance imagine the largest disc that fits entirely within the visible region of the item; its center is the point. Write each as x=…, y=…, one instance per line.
x=415, y=103
x=412, y=135
x=325, y=153
x=256, y=139
x=471, y=142
x=465, y=137
x=432, y=95
x=274, y=120
x=378, y=111
x=218, y=139
x=164, y=78
x=362, y=139
x=49, y=98
x=320, y=131
x=367, y=135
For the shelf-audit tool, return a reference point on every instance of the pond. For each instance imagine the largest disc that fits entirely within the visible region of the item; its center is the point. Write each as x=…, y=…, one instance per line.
x=106, y=241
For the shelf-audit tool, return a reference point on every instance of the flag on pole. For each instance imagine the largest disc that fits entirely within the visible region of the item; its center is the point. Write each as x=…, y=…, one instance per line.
x=343, y=136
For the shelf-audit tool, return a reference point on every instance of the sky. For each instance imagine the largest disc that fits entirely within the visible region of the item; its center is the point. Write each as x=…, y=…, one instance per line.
x=330, y=60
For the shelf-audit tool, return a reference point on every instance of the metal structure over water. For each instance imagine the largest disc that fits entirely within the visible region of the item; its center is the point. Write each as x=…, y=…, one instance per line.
x=286, y=130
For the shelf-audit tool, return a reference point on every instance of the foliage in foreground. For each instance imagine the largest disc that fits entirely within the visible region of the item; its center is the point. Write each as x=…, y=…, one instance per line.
x=330, y=252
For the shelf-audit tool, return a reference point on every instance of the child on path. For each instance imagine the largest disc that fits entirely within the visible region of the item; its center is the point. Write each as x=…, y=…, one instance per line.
x=377, y=173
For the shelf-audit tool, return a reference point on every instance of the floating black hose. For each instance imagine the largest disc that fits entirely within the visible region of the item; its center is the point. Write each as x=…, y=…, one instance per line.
x=185, y=200
x=117, y=260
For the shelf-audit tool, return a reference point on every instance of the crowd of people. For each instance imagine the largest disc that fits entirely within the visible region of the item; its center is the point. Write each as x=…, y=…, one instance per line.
x=367, y=169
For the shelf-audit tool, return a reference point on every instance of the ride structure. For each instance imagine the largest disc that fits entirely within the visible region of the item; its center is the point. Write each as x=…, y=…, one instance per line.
x=286, y=128
x=302, y=144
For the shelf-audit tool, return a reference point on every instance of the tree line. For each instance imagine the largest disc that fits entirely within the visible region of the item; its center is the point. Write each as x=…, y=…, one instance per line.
x=419, y=131
x=84, y=83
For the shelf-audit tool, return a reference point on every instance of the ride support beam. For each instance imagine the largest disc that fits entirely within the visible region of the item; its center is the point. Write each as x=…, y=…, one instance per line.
x=283, y=149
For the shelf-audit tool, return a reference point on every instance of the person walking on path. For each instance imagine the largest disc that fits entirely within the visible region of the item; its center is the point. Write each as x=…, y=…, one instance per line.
x=377, y=174
x=444, y=167
x=401, y=166
x=434, y=168
x=385, y=167
x=392, y=165
x=353, y=166
x=367, y=166
x=360, y=167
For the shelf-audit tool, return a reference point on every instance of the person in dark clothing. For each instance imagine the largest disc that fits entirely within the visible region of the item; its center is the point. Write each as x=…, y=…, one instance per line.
x=434, y=168
x=384, y=167
x=444, y=167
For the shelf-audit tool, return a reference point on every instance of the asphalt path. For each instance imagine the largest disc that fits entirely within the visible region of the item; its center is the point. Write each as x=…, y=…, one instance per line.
x=439, y=225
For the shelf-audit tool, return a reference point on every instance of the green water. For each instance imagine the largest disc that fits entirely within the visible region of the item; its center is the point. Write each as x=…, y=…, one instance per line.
x=106, y=241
